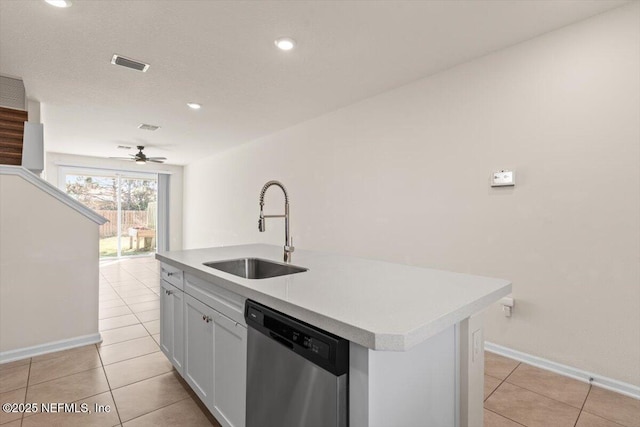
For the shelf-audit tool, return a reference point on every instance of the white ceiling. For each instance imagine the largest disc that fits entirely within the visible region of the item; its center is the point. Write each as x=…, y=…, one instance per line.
x=221, y=54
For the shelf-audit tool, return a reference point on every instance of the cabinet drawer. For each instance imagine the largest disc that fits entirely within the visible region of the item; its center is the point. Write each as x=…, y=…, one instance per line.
x=172, y=275
x=226, y=302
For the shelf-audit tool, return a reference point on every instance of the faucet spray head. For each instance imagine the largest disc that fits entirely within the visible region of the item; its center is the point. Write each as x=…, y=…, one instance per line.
x=261, y=224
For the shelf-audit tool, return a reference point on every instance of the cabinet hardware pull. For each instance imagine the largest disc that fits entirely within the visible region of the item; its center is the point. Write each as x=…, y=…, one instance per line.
x=169, y=274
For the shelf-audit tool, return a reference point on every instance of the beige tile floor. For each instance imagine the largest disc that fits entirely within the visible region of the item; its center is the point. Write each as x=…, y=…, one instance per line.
x=517, y=394
x=128, y=373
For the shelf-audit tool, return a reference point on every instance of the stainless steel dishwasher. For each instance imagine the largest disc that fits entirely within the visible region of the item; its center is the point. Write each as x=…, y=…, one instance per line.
x=297, y=375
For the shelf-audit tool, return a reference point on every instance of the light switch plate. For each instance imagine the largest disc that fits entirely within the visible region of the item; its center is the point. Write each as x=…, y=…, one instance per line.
x=503, y=178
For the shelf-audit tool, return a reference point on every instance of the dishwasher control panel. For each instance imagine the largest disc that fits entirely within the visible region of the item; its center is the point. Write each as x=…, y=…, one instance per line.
x=325, y=349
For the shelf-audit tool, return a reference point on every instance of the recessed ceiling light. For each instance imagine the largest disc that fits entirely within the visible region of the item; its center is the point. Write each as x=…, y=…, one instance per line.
x=285, y=43
x=59, y=3
x=194, y=105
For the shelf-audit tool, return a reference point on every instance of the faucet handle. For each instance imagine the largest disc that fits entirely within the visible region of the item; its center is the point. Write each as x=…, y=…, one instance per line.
x=289, y=246
x=288, y=249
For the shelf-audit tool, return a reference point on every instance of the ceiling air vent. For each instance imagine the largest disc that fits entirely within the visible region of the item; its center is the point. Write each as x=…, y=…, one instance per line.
x=129, y=63
x=145, y=126
x=12, y=93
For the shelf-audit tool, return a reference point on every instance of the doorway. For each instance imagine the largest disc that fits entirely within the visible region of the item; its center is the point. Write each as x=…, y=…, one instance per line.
x=128, y=200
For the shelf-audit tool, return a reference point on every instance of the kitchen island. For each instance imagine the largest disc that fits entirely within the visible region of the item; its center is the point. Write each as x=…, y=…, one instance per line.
x=415, y=340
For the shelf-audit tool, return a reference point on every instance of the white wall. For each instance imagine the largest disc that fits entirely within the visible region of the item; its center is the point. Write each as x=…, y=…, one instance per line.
x=404, y=177
x=54, y=161
x=48, y=271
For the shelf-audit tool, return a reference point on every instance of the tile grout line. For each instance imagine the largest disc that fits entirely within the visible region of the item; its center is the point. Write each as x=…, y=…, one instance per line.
x=67, y=375
x=144, y=379
x=127, y=340
x=504, y=416
x=135, y=357
x=615, y=423
x=115, y=405
x=494, y=390
x=53, y=357
x=501, y=382
x=583, y=403
x=166, y=406
x=26, y=390
x=540, y=394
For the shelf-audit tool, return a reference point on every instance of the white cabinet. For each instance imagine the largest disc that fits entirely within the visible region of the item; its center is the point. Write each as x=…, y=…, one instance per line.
x=230, y=371
x=198, y=348
x=172, y=324
x=208, y=346
x=216, y=361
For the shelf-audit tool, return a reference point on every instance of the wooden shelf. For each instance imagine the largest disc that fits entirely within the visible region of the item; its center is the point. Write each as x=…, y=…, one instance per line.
x=11, y=135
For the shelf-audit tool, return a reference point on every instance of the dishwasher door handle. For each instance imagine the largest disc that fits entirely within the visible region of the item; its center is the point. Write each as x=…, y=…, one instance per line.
x=281, y=340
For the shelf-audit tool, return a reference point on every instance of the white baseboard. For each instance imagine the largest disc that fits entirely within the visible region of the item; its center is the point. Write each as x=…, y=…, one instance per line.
x=568, y=371
x=50, y=347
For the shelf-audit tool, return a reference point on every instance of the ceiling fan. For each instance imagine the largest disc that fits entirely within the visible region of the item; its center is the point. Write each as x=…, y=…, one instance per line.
x=141, y=158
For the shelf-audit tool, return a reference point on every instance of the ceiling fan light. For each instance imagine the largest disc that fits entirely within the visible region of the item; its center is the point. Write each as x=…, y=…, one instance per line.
x=140, y=161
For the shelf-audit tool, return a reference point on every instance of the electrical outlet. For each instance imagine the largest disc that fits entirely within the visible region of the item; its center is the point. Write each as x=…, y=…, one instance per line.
x=503, y=178
x=507, y=305
x=476, y=338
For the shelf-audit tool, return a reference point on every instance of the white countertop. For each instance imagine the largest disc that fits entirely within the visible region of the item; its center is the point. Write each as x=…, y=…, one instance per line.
x=379, y=305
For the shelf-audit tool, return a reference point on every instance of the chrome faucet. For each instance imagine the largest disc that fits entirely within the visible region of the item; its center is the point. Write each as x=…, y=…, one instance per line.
x=288, y=242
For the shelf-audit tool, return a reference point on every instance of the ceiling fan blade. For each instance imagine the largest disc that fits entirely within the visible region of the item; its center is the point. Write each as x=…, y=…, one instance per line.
x=155, y=160
x=121, y=158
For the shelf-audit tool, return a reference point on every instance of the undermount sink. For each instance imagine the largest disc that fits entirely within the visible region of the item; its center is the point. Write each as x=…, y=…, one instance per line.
x=254, y=268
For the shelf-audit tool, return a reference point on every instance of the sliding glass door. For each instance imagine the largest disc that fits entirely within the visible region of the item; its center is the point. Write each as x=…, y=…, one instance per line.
x=138, y=215
x=129, y=201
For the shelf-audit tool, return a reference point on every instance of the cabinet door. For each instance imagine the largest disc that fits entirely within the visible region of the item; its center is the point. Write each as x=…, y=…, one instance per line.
x=230, y=371
x=171, y=324
x=177, y=354
x=166, y=319
x=198, y=348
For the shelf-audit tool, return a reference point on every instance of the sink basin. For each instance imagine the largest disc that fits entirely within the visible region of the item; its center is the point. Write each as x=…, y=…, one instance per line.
x=255, y=268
